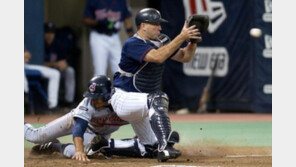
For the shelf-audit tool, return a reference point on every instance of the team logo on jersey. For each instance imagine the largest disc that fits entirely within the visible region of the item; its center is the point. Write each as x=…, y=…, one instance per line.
x=215, y=11
x=110, y=120
x=92, y=87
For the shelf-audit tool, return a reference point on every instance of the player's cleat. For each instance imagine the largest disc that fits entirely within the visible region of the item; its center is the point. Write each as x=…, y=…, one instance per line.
x=168, y=153
x=174, y=137
x=96, y=145
x=46, y=148
x=28, y=125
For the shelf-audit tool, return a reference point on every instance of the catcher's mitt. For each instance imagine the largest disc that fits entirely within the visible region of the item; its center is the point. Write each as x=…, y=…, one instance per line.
x=201, y=22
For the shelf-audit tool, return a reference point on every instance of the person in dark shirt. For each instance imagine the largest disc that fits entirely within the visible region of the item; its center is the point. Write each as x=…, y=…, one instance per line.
x=51, y=74
x=56, y=57
x=105, y=19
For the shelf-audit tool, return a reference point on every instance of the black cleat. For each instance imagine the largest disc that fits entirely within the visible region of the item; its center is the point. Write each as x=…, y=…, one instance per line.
x=96, y=145
x=174, y=137
x=168, y=153
x=45, y=149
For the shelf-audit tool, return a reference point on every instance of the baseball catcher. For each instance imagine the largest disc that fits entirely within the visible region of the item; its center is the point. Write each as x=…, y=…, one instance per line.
x=138, y=98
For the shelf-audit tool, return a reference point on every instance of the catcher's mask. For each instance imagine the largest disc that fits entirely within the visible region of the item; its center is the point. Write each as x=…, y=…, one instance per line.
x=149, y=15
x=99, y=86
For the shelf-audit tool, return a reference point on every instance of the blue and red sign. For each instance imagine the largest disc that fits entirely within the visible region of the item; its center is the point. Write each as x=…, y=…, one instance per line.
x=243, y=75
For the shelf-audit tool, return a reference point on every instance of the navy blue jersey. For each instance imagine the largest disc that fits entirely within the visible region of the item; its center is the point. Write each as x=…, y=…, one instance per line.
x=103, y=10
x=132, y=55
x=54, y=52
x=132, y=61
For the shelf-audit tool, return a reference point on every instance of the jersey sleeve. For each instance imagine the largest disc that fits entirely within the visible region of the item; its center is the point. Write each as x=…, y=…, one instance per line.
x=126, y=13
x=89, y=10
x=79, y=127
x=136, y=49
x=83, y=111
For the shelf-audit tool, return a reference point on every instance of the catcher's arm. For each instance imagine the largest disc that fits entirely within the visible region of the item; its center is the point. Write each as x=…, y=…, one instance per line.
x=163, y=53
x=201, y=23
x=185, y=55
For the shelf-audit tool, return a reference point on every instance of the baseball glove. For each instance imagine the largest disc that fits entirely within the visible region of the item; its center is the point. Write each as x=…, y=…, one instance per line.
x=201, y=22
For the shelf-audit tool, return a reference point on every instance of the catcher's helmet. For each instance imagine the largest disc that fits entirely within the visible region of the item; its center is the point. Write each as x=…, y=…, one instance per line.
x=99, y=86
x=149, y=15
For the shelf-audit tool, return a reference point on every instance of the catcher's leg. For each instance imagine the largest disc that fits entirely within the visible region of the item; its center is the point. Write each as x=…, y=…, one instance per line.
x=161, y=125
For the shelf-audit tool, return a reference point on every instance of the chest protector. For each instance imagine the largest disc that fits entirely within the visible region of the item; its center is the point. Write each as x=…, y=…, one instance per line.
x=148, y=78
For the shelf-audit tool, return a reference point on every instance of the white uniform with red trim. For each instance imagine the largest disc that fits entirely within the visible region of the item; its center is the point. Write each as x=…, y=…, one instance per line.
x=103, y=121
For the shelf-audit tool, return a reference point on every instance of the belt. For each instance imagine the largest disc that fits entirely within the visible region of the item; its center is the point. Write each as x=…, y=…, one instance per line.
x=109, y=33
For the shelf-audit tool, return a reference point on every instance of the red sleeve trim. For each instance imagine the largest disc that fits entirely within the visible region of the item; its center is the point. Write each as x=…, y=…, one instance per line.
x=144, y=53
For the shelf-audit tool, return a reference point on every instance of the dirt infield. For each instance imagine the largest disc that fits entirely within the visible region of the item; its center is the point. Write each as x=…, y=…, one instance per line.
x=200, y=156
x=209, y=154
x=180, y=118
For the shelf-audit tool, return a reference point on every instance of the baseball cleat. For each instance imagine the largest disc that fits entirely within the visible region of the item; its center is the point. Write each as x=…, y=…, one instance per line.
x=168, y=153
x=96, y=145
x=28, y=125
x=46, y=148
x=174, y=137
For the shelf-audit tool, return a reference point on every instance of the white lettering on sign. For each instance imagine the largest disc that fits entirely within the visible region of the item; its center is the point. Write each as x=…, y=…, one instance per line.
x=267, y=89
x=267, y=52
x=204, y=60
x=267, y=16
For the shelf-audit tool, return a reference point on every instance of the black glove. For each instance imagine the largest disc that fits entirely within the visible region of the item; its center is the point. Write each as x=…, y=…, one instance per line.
x=201, y=22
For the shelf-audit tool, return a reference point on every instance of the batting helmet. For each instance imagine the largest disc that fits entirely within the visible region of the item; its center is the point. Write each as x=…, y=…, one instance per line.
x=99, y=86
x=149, y=15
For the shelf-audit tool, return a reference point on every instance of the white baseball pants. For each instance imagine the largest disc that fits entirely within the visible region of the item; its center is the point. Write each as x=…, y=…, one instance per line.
x=105, y=50
x=69, y=77
x=132, y=107
x=53, y=77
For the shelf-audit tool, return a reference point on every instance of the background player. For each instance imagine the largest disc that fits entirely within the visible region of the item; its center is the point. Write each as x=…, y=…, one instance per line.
x=51, y=74
x=105, y=18
x=137, y=98
x=56, y=57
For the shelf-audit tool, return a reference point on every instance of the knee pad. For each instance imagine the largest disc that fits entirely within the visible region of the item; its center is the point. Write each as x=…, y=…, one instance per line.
x=159, y=101
x=159, y=120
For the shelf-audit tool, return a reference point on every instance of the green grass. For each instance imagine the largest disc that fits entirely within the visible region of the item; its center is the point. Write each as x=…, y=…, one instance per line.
x=222, y=133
